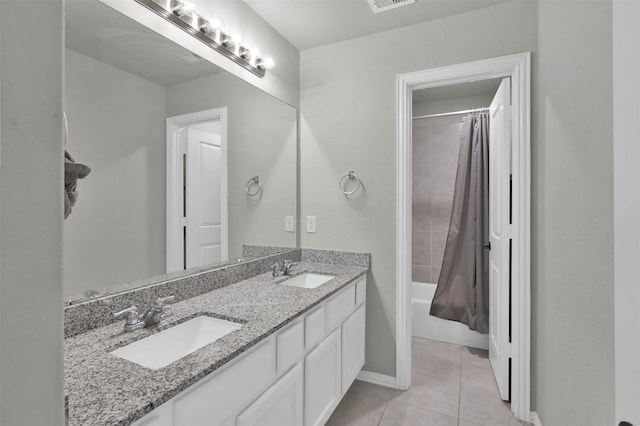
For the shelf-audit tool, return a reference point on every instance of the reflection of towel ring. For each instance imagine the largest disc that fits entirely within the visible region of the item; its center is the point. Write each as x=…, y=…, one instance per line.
x=352, y=176
x=254, y=181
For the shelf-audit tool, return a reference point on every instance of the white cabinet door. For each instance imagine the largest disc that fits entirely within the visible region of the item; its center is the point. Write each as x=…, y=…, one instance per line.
x=218, y=400
x=352, y=347
x=280, y=405
x=322, y=380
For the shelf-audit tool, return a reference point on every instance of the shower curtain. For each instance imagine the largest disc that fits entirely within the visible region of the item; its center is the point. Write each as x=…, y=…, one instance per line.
x=462, y=293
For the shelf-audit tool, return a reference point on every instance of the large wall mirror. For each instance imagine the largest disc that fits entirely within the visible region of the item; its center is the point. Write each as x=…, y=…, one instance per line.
x=173, y=143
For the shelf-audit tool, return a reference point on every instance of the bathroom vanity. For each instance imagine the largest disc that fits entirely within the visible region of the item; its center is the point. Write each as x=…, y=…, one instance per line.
x=295, y=355
x=295, y=376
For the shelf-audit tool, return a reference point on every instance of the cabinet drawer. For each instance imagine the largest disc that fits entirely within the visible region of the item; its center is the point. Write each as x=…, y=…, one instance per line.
x=220, y=398
x=361, y=291
x=290, y=346
x=314, y=327
x=340, y=306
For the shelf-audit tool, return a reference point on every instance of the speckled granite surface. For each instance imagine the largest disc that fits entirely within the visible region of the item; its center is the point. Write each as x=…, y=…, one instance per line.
x=336, y=257
x=93, y=313
x=105, y=389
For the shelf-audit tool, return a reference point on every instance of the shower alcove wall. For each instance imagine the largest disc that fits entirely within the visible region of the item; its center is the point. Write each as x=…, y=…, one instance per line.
x=435, y=147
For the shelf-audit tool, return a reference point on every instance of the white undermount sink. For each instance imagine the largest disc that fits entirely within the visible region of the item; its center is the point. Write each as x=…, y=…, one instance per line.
x=161, y=349
x=307, y=280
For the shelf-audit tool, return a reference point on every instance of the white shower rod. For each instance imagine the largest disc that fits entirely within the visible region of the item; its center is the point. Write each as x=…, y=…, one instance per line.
x=444, y=114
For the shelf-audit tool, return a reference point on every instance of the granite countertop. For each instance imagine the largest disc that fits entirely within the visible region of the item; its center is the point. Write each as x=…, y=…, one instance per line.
x=104, y=389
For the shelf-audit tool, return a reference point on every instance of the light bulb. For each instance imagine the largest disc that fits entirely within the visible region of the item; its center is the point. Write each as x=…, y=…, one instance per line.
x=251, y=55
x=216, y=23
x=210, y=25
x=268, y=63
x=228, y=41
x=206, y=27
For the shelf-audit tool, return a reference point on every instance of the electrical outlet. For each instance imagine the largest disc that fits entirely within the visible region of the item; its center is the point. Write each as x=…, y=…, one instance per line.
x=311, y=224
x=289, y=224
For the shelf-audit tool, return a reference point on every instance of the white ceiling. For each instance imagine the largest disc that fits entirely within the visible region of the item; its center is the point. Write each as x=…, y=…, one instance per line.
x=104, y=34
x=312, y=23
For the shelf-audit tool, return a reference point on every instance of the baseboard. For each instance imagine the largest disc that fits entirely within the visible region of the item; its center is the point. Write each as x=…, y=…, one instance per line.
x=377, y=379
x=534, y=419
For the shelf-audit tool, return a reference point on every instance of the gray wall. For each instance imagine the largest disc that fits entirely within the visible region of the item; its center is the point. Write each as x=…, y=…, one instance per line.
x=116, y=233
x=626, y=97
x=348, y=121
x=31, y=372
x=261, y=140
x=572, y=224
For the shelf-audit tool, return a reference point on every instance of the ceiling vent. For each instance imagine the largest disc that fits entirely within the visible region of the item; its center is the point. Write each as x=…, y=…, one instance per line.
x=383, y=5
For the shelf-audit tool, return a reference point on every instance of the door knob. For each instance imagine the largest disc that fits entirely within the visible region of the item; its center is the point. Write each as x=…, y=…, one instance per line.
x=487, y=246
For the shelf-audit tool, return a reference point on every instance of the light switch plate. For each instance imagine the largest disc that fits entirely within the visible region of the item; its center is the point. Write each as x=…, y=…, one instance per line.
x=311, y=224
x=289, y=224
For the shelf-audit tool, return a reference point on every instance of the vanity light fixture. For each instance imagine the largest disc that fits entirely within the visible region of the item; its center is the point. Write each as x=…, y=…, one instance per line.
x=209, y=31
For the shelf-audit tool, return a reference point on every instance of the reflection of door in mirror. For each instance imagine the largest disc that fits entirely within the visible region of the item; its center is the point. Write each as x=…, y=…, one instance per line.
x=203, y=194
x=197, y=226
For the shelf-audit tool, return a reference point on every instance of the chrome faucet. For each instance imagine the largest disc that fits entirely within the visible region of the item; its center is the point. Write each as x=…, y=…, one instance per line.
x=284, y=268
x=153, y=316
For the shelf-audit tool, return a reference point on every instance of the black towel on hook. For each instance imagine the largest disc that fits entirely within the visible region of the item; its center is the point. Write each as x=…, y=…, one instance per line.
x=72, y=172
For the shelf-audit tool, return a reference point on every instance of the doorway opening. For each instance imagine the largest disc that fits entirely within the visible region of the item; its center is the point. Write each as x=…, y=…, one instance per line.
x=438, y=117
x=197, y=225
x=461, y=213
x=509, y=300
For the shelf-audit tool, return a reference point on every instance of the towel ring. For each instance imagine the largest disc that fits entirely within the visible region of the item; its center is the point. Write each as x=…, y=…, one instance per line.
x=352, y=176
x=254, y=181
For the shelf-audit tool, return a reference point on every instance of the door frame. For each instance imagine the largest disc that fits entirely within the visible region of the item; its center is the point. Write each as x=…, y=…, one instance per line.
x=175, y=177
x=518, y=67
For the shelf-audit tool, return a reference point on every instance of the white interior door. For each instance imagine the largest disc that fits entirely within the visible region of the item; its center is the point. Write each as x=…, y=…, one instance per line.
x=204, y=192
x=500, y=234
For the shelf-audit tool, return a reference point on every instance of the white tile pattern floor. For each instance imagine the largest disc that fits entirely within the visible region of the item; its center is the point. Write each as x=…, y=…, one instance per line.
x=451, y=385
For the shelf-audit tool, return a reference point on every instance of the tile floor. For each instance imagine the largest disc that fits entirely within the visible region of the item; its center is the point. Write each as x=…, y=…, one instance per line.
x=451, y=385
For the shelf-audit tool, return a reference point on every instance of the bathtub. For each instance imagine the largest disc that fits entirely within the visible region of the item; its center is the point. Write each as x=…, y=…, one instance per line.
x=427, y=327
